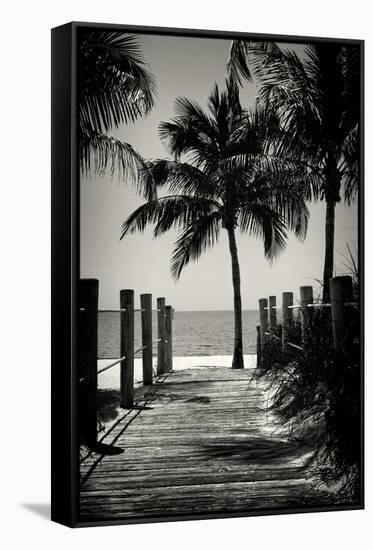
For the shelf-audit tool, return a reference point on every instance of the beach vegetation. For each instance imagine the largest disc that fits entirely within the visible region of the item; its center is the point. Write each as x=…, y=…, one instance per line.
x=222, y=175
x=115, y=87
x=317, y=97
x=315, y=397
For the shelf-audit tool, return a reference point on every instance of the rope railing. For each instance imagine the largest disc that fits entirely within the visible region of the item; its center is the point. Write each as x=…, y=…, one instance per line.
x=315, y=305
x=88, y=345
x=122, y=310
x=83, y=309
x=346, y=304
x=113, y=364
x=341, y=300
x=295, y=346
x=272, y=335
x=140, y=349
x=107, y=367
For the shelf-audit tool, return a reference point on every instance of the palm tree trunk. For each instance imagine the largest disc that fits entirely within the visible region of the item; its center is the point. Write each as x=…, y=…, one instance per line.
x=329, y=248
x=237, y=362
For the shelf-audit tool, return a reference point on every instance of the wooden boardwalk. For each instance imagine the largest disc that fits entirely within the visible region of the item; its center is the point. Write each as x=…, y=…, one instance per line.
x=201, y=443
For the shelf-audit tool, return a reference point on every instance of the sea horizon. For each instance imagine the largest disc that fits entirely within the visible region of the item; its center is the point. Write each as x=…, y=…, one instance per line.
x=196, y=333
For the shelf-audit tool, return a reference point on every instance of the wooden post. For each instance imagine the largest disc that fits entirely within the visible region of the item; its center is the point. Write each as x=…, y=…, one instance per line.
x=147, y=338
x=340, y=293
x=272, y=315
x=263, y=314
x=87, y=357
x=127, y=342
x=161, y=360
x=306, y=297
x=258, y=348
x=287, y=316
x=168, y=320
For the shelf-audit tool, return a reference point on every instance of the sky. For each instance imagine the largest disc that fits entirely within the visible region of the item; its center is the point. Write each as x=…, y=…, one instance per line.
x=185, y=66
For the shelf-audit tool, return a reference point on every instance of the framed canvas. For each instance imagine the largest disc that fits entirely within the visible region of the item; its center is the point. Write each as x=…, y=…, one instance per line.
x=207, y=274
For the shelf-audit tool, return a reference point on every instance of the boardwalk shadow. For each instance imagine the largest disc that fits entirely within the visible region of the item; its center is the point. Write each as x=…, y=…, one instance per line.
x=170, y=396
x=199, y=399
x=257, y=450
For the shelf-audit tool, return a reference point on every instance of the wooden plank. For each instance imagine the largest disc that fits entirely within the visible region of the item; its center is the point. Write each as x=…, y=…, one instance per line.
x=306, y=298
x=263, y=313
x=127, y=339
x=340, y=293
x=287, y=315
x=87, y=359
x=272, y=311
x=161, y=353
x=147, y=338
x=205, y=444
x=168, y=328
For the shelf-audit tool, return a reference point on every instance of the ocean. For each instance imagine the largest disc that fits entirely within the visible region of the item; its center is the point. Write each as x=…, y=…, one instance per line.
x=195, y=333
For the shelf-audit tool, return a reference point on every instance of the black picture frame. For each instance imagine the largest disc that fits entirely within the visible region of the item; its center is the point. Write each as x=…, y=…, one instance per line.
x=65, y=270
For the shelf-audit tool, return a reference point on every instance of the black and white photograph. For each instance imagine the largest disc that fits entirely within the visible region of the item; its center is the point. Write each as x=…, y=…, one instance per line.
x=219, y=338
x=186, y=301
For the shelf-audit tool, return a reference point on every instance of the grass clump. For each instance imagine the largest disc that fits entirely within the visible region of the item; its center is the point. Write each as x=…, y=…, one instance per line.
x=316, y=397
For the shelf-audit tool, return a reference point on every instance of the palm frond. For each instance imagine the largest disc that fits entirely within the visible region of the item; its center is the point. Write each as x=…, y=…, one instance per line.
x=182, y=177
x=247, y=56
x=292, y=206
x=189, y=110
x=167, y=212
x=350, y=164
x=233, y=170
x=262, y=221
x=115, y=85
x=199, y=235
x=102, y=152
x=237, y=64
x=284, y=187
x=183, y=138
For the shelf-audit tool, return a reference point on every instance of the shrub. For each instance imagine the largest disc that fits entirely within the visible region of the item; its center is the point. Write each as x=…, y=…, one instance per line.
x=316, y=396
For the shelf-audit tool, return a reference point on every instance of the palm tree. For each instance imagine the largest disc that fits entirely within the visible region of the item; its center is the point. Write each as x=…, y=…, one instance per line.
x=115, y=87
x=318, y=98
x=221, y=177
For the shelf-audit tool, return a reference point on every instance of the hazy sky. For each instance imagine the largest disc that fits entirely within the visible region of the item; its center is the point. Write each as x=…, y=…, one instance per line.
x=189, y=67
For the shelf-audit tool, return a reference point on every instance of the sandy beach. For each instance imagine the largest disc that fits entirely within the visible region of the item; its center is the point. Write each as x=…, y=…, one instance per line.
x=110, y=378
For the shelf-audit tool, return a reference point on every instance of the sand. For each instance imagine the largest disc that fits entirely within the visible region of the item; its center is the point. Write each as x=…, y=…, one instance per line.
x=110, y=378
